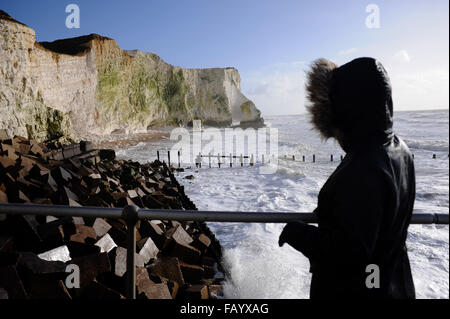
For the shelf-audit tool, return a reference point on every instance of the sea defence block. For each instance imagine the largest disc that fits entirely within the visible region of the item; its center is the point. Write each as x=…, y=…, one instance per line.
x=168, y=267
x=165, y=252
x=197, y=292
x=148, y=249
x=91, y=266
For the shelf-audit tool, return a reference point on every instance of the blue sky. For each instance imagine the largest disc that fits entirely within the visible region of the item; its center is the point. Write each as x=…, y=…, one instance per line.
x=270, y=42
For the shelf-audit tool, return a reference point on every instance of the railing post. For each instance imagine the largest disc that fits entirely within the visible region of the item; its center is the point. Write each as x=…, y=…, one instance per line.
x=179, y=161
x=168, y=157
x=130, y=214
x=157, y=155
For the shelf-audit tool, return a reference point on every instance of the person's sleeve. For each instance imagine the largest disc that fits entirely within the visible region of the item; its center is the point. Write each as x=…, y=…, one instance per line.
x=357, y=213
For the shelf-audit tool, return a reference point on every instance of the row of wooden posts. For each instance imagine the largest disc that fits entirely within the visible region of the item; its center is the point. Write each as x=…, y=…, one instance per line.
x=198, y=158
x=241, y=158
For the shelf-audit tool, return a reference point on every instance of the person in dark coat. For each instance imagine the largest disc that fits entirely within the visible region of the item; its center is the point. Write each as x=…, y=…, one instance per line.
x=364, y=208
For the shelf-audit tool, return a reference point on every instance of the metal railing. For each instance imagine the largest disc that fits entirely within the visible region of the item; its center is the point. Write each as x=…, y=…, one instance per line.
x=131, y=214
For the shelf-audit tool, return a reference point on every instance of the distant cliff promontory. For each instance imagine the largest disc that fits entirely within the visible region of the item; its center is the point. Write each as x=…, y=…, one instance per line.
x=88, y=85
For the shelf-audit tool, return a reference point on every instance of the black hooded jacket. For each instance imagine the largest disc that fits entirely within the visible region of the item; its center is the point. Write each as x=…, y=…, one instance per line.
x=365, y=207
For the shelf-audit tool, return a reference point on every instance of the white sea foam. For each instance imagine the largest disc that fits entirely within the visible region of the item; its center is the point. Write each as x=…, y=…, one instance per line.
x=258, y=268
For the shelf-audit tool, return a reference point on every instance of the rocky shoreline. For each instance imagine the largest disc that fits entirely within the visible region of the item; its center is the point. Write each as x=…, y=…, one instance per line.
x=175, y=260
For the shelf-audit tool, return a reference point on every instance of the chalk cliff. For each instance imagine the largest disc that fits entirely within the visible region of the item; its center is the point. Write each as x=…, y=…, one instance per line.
x=88, y=85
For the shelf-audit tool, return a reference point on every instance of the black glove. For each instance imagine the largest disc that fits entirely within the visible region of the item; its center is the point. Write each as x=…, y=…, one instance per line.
x=287, y=232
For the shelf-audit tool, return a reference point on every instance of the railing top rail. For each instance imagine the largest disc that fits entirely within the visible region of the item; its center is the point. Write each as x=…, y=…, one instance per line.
x=186, y=215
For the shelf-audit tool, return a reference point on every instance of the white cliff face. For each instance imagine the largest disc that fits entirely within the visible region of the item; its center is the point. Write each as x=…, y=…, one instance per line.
x=68, y=84
x=242, y=109
x=17, y=84
x=42, y=94
x=88, y=85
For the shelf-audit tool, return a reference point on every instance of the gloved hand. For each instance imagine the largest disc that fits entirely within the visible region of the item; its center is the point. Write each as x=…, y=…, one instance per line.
x=286, y=233
x=282, y=238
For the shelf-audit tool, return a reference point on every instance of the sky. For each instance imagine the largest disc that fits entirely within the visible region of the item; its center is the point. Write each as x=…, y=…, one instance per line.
x=271, y=42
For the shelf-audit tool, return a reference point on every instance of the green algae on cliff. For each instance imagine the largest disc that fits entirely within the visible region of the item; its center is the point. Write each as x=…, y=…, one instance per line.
x=141, y=93
x=247, y=114
x=46, y=124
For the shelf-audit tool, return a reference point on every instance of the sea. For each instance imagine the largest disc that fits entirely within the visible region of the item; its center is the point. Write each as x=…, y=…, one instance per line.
x=256, y=267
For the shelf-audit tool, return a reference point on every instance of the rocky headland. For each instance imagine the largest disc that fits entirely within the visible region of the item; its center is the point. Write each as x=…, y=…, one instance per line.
x=79, y=87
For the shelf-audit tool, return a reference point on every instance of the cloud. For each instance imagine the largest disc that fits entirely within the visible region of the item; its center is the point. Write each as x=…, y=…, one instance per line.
x=348, y=51
x=402, y=56
x=421, y=89
x=277, y=88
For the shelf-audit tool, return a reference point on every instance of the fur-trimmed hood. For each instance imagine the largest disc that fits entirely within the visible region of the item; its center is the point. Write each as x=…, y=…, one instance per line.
x=352, y=103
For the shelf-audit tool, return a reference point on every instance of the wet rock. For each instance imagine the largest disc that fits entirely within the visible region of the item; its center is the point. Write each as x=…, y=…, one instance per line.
x=38, y=266
x=147, y=249
x=151, y=290
x=6, y=162
x=181, y=236
x=167, y=267
x=107, y=155
x=91, y=266
x=101, y=227
x=197, y=292
x=83, y=234
x=191, y=273
x=202, y=242
x=3, y=197
x=184, y=252
x=3, y=294
x=57, y=254
x=77, y=249
x=154, y=231
x=120, y=262
x=39, y=287
x=12, y=283
x=106, y=243
x=215, y=291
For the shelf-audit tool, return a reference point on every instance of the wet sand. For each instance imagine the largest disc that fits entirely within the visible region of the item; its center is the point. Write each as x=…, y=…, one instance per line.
x=121, y=141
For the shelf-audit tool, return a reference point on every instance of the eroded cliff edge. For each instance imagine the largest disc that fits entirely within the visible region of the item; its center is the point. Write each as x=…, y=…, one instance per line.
x=89, y=85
